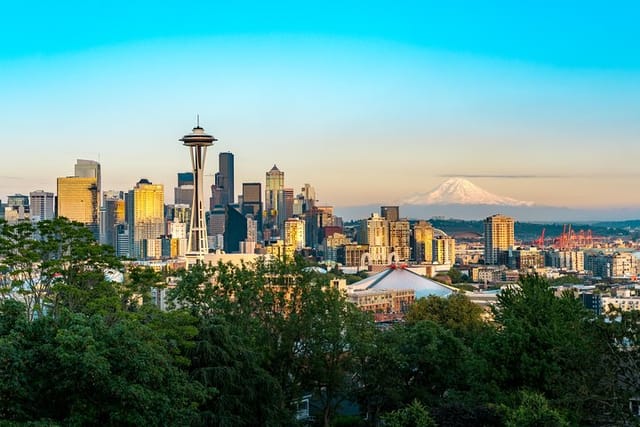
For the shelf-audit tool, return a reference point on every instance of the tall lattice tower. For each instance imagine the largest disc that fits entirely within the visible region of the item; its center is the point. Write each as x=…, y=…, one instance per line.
x=198, y=141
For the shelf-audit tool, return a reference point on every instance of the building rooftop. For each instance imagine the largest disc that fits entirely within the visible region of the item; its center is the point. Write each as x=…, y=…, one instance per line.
x=398, y=277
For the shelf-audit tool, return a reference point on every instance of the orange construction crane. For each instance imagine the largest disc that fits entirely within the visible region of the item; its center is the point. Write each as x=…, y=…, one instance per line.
x=539, y=242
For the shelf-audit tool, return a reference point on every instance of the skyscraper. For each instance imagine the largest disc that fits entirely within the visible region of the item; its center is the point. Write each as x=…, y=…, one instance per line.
x=78, y=200
x=390, y=213
x=145, y=216
x=375, y=233
x=90, y=169
x=294, y=231
x=274, y=183
x=225, y=178
x=198, y=141
x=498, y=237
x=183, y=193
x=399, y=239
x=285, y=203
x=41, y=206
x=252, y=202
x=113, y=214
x=422, y=246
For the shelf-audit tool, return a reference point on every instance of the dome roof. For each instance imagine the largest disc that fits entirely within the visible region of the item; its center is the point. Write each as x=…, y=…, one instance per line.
x=401, y=278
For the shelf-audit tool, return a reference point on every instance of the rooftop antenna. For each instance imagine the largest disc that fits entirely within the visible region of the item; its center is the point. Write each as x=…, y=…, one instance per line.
x=198, y=120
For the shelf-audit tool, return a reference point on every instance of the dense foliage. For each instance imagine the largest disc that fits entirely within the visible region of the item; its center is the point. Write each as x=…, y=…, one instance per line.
x=241, y=345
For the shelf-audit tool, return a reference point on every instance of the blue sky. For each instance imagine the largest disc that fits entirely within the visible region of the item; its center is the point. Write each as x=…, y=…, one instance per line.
x=367, y=101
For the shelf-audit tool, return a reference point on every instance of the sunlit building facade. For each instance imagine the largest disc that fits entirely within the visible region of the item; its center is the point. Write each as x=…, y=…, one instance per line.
x=498, y=237
x=145, y=208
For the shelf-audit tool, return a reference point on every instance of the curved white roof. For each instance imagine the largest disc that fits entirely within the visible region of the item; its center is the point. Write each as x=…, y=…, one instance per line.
x=401, y=278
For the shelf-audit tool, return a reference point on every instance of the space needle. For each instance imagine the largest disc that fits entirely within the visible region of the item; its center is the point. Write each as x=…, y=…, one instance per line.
x=198, y=141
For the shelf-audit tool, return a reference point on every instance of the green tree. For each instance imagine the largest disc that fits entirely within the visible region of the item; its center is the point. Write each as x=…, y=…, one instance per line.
x=550, y=345
x=534, y=411
x=53, y=264
x=79, y=370
x=456, y=313
x=413, y=415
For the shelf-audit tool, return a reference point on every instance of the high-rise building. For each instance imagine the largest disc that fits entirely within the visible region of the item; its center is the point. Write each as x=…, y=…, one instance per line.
x=285, y=203
x=145, y=216
x=422, y=246
x=18, y=200
x=294, y=233
x=225, y=178
x=374, y=232
x=444, y=250
x=274, y=183
x=399, y=239
x=41, y=206
x=113, y=213
x=198, y=141
x=235, y=229
x=498, y=237
x=183, y=193
x=252, y=202
x=390, y=213
x=78, y=201
x=90, y=169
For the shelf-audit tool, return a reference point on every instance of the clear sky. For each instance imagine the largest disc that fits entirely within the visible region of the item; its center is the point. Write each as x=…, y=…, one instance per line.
x=370, y=102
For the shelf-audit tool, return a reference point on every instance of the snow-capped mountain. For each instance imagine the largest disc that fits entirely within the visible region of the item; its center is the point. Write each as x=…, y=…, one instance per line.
x=460, y=191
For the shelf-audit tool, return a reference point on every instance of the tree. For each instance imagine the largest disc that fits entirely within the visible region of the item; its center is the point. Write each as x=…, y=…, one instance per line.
x=52, y=264
x=413, y=415
x=456, y=313
x=547, y=344
x=534, y=411
x=75, y=369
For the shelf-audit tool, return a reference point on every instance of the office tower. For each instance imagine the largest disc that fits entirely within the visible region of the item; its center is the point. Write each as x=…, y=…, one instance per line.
x=78, y=201
x=183, y=193
x=309, y=197
x=225, y=178
x=274, y=183
x=198, y=141
x=399, y=239
x=90, y=169
x=498, y=237
x=390, y=213
x=317, y=220
x=374, y=232
x=215, y=223
x=285, y=202
x=19, y=200
x=235, y=229
x=294, y=230
x=422, y=246
x=145, y=216
x=113, y=214
x=444, y=250
x=41, y=206
x=17, y=208
x=252, y=202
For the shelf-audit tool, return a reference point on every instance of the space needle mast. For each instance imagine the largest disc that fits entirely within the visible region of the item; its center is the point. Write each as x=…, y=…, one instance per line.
x=198, y=141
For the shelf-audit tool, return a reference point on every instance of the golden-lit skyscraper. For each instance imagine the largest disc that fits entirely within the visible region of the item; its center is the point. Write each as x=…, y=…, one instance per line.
x=145, y=209
x=294, y=235
x=498, y=237
x=422, y=246
x=78, y=200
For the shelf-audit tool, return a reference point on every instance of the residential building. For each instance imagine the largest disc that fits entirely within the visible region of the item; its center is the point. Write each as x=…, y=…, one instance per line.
x=498, y=237
x=42, y=205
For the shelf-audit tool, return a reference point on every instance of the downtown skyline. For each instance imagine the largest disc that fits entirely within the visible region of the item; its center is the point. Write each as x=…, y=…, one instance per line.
x=368, y=106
